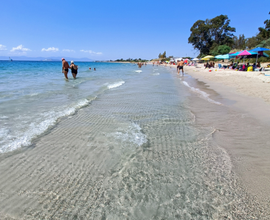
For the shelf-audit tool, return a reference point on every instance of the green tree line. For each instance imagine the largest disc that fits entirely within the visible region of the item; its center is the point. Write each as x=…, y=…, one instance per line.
x=216, y=36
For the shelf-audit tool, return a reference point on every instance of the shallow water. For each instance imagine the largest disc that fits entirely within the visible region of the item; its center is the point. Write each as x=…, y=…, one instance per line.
x=135, y=151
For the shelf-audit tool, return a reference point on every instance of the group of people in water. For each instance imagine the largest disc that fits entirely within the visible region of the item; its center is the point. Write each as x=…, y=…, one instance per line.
x=141, y=64
x=74, y=68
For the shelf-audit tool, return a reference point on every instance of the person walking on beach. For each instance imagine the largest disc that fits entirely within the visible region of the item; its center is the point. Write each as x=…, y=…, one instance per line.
x=74, y=69
x=65, y=67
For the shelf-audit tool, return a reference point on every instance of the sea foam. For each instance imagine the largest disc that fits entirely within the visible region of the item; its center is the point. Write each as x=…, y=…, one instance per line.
x=201, y=93
x=114, y=85
x=36, y=128
x=131, y=135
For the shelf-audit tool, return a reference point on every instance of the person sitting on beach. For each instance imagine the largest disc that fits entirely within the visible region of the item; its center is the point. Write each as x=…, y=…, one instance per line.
x=206, y=65
x=74, y=69
x=236, y=65
x=259, y=66
x=254, y=66
x=247, y=66
x=65, y=67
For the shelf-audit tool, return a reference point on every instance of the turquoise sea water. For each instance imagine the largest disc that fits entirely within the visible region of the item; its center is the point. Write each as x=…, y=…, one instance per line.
x=116, y=143
x=34, y=95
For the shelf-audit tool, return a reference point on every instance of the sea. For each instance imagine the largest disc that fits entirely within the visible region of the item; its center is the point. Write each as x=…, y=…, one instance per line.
x=120, y=142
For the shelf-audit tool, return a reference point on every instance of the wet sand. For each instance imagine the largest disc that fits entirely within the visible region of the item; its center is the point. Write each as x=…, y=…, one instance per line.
x=246, y=95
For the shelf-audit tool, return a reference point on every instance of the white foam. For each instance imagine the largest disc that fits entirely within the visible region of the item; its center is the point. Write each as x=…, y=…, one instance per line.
x=138, y=71
x=131, y=135
x=37, y=128
x=156, y=74
x=3, y=117
x=201, y=93
x=114, y=85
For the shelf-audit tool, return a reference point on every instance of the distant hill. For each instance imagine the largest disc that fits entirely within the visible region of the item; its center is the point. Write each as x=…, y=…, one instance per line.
x=44, y=58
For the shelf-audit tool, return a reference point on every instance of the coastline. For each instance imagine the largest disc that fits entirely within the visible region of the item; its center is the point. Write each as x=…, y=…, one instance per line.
x=242, y=124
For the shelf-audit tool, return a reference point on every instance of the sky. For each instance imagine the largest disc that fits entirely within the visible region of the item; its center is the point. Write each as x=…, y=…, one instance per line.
x=109, y=30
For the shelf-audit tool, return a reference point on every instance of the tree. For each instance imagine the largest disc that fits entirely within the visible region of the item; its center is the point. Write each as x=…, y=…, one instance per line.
x=162, y=56
x=221, y=49
x=252, y=42
x=264, y=43
x=264, y=33
x=239, y=42
x=207, y=35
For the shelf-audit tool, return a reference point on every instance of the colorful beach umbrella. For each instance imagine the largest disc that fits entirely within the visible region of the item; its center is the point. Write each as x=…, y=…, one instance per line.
x=259, y=51
x=235, y=54
x=246, y=53
x=223, y=57
x=208, y=57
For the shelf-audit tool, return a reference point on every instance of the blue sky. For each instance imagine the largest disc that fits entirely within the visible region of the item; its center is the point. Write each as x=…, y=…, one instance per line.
x=102, y=30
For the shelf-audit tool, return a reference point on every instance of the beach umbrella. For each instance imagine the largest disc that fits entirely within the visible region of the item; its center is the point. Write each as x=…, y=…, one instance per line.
x=207, y=57
x=195, y=59
x=235, y=54
x=259, y=51
x=223, y=57
x=246, y=53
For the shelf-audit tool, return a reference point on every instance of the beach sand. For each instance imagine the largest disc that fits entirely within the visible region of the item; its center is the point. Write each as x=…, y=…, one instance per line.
x=247, y=93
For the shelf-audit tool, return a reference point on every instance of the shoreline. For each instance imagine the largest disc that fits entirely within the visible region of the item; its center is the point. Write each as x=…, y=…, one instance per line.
x=237, y=86
x=242, y=122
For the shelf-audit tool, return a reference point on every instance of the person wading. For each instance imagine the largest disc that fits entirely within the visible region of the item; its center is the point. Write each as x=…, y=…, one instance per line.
x=65, y=67
x=74, y=69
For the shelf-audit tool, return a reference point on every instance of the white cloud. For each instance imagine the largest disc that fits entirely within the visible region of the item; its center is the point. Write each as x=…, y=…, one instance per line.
x=91, y=52
x=2, y=47
x=52, y=49
x=68, y=50
x=20, y=48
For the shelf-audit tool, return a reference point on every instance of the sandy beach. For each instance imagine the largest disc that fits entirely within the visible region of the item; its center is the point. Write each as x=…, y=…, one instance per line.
x=249, y=94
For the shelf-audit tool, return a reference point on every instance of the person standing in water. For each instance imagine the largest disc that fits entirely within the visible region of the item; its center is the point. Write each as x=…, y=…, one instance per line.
x=65, y=67
x=74, y=69
x=180, y=67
